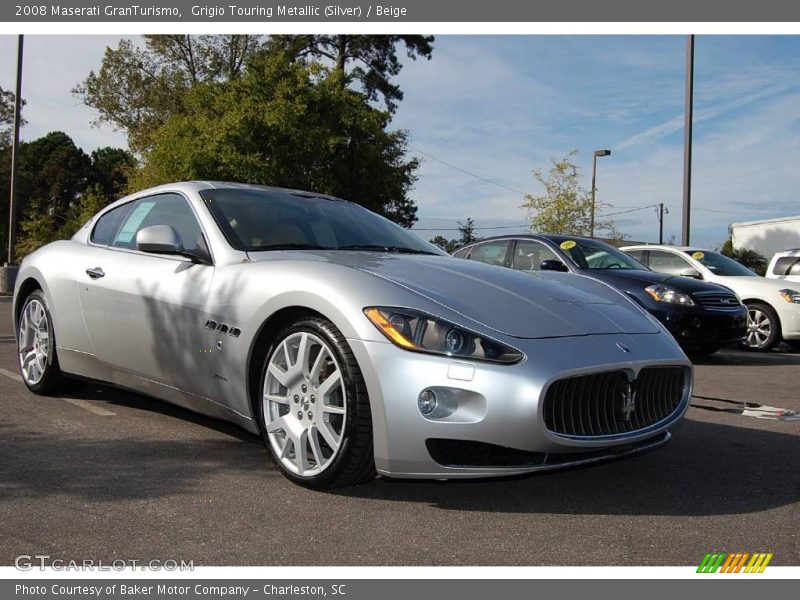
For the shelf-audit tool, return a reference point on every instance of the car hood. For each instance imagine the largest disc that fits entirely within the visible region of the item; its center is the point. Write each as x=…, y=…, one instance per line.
x=636, y=280
x=745, y=286
x=509, y=302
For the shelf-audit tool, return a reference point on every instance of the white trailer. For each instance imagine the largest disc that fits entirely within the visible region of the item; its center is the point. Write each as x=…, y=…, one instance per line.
x=768, y=236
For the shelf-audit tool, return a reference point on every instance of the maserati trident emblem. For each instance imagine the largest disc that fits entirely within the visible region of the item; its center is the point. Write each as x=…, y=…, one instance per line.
x=628, y=401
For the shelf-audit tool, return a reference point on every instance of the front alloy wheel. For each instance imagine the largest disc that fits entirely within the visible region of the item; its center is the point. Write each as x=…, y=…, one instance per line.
x=314, y=410
x=763, y=328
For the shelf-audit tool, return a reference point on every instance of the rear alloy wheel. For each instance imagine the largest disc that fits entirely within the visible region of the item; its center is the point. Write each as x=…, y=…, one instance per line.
x=36, y=347
x=315, y=414
x=763, y=327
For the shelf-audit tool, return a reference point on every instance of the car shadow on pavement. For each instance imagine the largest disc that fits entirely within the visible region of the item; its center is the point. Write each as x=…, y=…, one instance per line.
x=708, y=469
x=775, y=358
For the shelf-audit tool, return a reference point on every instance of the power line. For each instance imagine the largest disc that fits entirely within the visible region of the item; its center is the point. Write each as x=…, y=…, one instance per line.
x=471, y=174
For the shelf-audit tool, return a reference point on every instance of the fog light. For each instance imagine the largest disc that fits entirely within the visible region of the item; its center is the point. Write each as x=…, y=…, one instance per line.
x=426, y=401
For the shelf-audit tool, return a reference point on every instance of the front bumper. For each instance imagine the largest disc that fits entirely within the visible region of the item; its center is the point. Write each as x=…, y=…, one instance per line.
x=693, y=329
x=501, y=405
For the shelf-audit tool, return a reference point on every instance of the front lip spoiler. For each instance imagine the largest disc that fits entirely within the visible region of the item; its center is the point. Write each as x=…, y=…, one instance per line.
x=563, y=461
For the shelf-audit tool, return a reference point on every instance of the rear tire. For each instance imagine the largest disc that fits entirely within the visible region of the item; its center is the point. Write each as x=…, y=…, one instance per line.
x=36, y=348
x=314, y=410
x=763, y=327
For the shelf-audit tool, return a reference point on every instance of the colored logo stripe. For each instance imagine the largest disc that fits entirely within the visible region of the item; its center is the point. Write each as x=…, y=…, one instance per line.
x=735, y=562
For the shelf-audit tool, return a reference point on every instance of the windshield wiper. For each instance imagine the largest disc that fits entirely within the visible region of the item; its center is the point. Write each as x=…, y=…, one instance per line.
x=291, y=246
x=382, y=248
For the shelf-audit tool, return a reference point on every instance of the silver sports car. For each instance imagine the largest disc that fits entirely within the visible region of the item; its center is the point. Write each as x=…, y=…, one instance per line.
x=349, y=344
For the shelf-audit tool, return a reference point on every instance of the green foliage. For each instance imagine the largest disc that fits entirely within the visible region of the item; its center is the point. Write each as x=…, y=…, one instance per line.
x=60, y=187
x=278, y=111
x=467, y=231
x=751, y=259
x=445, y=244
x=370, y=60
x=287, y=124
x=138, y=89
x=565, y=207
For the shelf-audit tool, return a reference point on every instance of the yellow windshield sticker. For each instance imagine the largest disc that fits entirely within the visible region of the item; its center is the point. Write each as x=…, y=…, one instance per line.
x=698, y=255
x=568, y=244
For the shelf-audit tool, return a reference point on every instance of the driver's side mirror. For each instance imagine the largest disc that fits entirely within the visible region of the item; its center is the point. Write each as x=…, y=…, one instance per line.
x=553, y=265
x=690, y=272
x=159, y=239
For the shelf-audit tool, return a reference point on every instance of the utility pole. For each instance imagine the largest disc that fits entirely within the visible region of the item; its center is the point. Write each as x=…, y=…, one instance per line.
x=8, y=274
x=687, y=141
x=661, y=211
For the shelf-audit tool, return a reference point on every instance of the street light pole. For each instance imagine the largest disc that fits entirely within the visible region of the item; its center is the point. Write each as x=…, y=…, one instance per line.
x=687, y=141
x=594, y=186
x=8, y=273
x=12, y=203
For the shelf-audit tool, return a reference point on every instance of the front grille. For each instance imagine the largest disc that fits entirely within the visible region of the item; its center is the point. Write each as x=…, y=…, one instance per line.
x=718, y=300
x=610, y=404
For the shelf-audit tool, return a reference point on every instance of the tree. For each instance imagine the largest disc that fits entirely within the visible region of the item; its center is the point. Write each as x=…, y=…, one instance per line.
x=374, y=58
x=138, y=89
x=110, y=170
x=467, y=231
x=289, y=124
x=6, y=116
x=445, y=244
x=54, y=175
x=751, y=259
x=564, y=207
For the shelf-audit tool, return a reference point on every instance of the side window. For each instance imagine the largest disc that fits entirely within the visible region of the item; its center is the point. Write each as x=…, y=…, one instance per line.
x=107, y=226
x=491, y=253
x=529, y=256
x=786, y=265
x=461, y=253
x=666, y=262
x=638, y=255
x=163, y=209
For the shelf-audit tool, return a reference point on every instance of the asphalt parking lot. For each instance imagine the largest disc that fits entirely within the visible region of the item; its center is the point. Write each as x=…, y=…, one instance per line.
x=104, y=474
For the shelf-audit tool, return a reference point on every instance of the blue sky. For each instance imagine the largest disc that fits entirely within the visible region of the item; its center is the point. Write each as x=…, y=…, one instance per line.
x=501, y=106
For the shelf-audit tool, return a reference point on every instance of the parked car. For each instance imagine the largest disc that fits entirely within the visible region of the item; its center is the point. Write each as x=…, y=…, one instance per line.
x=773, y=305
x=701, y=316
x=347, y=342
x=785, y=265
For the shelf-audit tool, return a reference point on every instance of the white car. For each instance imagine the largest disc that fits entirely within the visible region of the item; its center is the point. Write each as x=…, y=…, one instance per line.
x=785, y=265
x=773, y=305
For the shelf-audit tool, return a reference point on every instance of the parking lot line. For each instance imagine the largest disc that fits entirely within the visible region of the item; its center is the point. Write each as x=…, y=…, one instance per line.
x=84, y=404
x=11, y=375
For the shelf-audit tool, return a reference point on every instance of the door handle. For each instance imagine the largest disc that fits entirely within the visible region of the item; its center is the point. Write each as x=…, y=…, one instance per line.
x=95, y=273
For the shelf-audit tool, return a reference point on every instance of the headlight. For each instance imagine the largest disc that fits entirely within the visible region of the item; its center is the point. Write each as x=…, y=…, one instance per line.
x=419, y=332
x=792, y=296
x=663, y=293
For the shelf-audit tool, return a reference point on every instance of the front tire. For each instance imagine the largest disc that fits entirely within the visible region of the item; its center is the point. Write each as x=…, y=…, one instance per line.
x=36, y=347
x=314, y=411
x=763, y=327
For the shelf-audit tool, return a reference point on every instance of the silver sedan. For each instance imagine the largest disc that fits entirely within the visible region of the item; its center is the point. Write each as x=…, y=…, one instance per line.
x=349, y=344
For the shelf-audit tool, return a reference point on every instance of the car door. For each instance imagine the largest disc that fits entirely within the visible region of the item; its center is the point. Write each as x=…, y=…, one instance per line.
x=144, y=313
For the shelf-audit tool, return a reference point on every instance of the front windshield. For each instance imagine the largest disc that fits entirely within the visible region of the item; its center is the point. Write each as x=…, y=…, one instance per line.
x=719, y=264
x=258, y=219
x=591, y=254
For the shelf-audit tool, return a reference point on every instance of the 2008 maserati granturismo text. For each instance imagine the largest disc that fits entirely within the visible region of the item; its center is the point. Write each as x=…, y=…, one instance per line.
x=349, y=344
